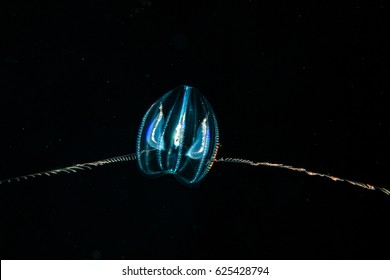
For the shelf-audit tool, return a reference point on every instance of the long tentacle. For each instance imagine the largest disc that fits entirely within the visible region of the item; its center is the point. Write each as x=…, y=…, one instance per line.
x=311, y=173
x=73, y=168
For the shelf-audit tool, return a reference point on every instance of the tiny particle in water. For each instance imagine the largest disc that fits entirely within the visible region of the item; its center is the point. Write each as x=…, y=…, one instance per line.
x=96, y=254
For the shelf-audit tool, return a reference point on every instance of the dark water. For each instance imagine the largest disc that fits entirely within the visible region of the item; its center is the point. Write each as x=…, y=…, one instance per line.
x=300, y=85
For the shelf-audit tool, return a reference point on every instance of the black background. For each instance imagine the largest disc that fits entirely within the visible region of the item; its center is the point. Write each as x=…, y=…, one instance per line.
x=303, y=85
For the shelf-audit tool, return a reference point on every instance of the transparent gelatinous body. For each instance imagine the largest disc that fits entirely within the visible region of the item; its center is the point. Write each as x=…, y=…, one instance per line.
x=178, y=135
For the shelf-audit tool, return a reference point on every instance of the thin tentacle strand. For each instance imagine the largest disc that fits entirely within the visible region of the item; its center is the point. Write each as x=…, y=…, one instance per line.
x=299, y=169
x=73, y=168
